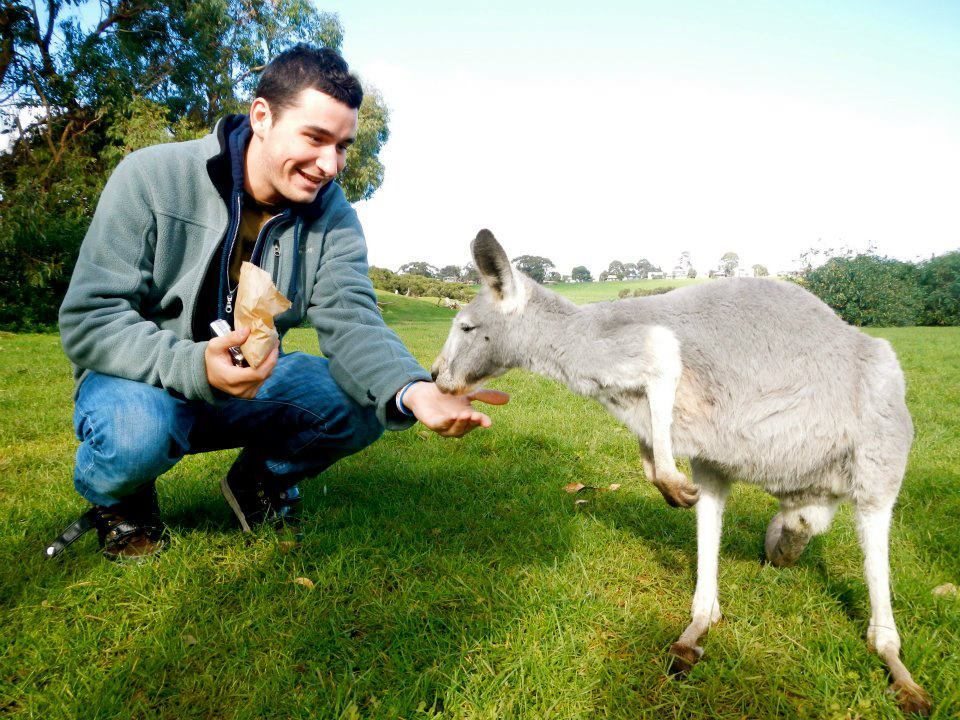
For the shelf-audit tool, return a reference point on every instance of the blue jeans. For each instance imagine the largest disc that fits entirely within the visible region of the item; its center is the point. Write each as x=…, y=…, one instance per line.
x=299, y=424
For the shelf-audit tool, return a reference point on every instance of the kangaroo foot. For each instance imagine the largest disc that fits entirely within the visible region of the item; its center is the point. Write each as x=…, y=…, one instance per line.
x=912, y=698
x=684, y=658
x=677, y=490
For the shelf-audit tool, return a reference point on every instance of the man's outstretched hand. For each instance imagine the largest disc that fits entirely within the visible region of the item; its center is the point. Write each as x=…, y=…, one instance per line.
x=450, y=415
x=227, y=377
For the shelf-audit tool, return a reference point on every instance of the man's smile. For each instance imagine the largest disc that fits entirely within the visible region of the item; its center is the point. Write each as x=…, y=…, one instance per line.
x=316, y=180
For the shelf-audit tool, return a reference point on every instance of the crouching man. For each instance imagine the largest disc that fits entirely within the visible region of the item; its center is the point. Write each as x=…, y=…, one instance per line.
x=161, y=261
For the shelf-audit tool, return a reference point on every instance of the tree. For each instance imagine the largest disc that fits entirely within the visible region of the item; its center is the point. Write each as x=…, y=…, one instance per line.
x=419, y=268
x=645, y=267
x=683, y=266
x=728, y=264
x=78, y=95
x=449, y=271
x=554, y=277
x=470, y=274
x=630, y=271
x=581, y=274
x=692, y=273
x=616, y=269
x=534, y=266
x=760, y=271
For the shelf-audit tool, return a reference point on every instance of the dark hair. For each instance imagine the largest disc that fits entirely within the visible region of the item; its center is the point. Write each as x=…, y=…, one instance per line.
x=304, y=66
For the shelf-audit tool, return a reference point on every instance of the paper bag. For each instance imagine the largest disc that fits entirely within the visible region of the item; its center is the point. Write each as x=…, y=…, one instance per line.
x=258, y=301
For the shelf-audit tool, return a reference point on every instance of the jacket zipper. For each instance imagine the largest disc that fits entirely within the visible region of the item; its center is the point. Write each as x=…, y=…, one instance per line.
x=260, y=236
x=276, y=261
x=233, y=241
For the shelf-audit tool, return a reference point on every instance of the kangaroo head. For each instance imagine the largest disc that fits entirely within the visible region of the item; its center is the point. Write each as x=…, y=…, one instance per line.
x=483, y=340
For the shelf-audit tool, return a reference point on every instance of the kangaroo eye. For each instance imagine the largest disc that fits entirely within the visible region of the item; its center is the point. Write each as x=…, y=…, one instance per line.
x=468, y=328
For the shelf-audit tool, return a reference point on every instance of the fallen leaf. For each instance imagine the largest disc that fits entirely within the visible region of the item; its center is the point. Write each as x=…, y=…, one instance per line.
x=423, y=434
x=579, y=504
x=574, y=487
x=189, y=640
x=306, y=582
x=945, y=590
x=615, y=486
x=287, y=545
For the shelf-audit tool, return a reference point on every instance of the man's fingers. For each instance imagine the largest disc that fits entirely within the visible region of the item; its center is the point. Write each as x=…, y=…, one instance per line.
x=235, y=337
x=491, y=397
x=267, y=366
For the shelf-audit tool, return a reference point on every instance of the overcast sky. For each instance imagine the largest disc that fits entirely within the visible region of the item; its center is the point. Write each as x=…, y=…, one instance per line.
x=588, y=132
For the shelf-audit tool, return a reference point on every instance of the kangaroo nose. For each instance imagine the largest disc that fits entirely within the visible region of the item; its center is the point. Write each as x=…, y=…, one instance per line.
x=433, y=374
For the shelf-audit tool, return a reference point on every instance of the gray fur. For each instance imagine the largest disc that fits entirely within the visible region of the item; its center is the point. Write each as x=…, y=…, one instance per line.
x=771, y=388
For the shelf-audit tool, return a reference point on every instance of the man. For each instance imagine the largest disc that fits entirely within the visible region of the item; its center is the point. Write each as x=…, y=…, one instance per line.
x=161, y=261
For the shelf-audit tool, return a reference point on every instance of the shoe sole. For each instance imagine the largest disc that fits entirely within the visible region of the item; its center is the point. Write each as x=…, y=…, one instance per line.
x=234, y=505
x=124, y=559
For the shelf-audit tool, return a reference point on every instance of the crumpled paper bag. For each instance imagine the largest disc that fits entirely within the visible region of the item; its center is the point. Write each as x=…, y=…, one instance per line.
x=258, y=301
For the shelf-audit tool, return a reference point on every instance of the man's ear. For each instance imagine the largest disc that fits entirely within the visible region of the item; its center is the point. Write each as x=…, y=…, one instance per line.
x=260, y=116
x=494, y=266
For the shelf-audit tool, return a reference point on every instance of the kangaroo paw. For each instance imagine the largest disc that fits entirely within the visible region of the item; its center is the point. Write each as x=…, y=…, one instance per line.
x=684, y=658
x=912, y=698
x=677, y=490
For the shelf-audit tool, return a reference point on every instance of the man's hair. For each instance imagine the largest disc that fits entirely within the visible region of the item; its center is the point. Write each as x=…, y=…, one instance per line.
x=304, y=66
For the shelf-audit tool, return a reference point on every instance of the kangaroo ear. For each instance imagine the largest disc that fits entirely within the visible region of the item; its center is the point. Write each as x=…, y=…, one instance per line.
x=493, y=264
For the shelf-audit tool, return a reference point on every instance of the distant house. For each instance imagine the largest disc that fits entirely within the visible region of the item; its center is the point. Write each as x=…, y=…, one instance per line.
x=656, y=275
x=451, y=278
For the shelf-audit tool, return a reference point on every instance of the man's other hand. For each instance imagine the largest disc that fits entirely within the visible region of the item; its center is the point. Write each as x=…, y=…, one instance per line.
x=450, y=415
x=241, y=382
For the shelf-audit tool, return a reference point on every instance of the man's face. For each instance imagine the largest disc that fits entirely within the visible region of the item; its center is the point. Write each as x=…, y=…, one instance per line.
x=301, y=150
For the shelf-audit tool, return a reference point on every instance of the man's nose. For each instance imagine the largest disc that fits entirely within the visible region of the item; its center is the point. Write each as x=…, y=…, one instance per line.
x=327, y=161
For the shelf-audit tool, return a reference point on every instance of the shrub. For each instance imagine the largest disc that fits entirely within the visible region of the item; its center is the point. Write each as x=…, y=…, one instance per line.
x=868, y=290
x=940, y=284
x=419, y=286
x=642, y=292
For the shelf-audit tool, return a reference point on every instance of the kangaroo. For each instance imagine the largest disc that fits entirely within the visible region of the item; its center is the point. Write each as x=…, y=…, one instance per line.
x=750, y=379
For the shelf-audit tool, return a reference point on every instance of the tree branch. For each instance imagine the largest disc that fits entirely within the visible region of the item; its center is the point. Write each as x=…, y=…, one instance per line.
x=52, y=11
x=244, y=75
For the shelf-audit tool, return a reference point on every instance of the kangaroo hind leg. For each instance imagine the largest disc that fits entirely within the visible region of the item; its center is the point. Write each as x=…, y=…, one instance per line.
x=705, y=611
x=873, y=528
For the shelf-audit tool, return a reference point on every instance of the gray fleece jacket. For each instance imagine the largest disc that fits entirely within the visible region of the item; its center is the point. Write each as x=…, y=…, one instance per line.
x=159, y=224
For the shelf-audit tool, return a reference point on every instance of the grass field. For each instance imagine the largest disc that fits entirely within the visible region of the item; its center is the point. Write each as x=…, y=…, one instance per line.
x=456, y=578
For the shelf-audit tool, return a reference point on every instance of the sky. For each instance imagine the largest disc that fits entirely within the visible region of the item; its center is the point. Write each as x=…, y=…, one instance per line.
x=592, y=132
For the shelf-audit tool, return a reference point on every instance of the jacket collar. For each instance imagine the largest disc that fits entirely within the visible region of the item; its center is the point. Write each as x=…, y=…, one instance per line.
x=231, y=136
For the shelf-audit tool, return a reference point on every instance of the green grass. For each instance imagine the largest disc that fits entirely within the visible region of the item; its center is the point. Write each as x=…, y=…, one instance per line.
x=456, y=579
x=599, y=291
